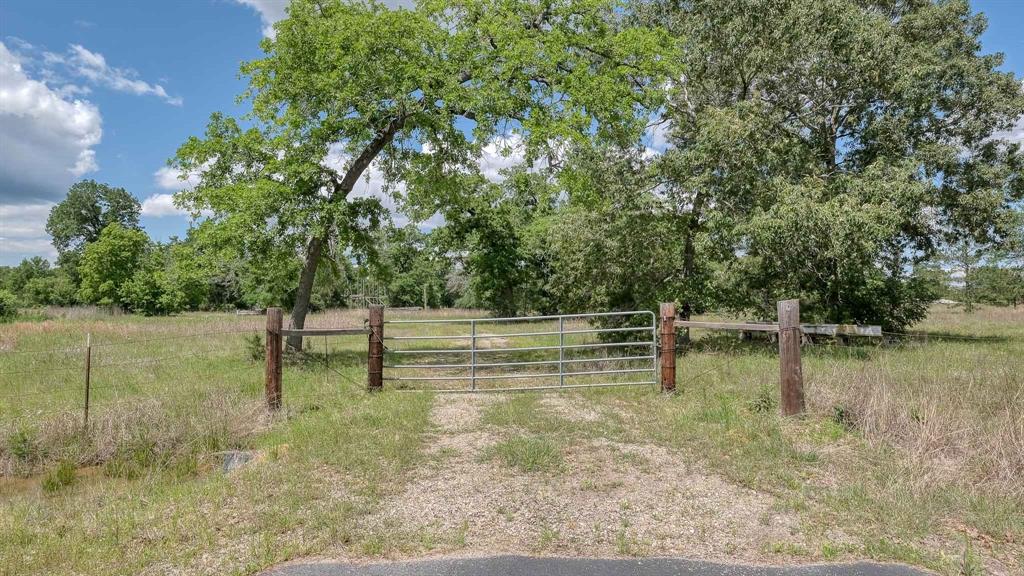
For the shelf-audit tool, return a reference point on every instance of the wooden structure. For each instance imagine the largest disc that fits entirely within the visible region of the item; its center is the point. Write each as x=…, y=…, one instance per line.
x=275, y=344
x=790, y=335
x=375, y=350
x=791, y=377
x=668, y=347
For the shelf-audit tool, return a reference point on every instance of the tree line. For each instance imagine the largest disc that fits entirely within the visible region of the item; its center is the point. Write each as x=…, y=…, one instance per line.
x=723, y=155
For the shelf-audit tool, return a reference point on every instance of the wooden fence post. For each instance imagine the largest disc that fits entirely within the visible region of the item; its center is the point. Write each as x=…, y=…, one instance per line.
x=375, y=350
x=88, y=377
x=273, y=376
x=668, y=347
x=791, y=373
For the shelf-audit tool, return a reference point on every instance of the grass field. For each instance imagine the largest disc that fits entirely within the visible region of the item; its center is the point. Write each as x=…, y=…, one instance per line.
x=910, y=452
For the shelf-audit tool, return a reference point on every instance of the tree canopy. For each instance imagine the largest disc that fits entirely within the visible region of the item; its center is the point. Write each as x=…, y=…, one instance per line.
x=720, y=154
x=89, y=208
x=415, y=94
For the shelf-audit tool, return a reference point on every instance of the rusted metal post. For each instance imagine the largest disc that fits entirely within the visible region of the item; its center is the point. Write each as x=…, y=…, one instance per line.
x=668, y=347
x=375, y=355
x=273, y=376
x=791, y=373
x=88, y=377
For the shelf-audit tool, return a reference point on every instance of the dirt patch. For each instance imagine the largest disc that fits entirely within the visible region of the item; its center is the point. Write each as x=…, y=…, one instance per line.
x=609, y=499
x=491, y=342
x=570, y=407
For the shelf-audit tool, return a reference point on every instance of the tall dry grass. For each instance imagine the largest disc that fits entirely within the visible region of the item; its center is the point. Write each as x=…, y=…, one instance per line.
x=968, y=436
x=133, y=438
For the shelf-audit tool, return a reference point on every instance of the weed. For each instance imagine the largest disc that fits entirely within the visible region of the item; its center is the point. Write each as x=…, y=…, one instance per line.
x=969, y=563
x=548, y=537
x=844, y=417
x=764, y=402
x=626, y=543
x=61, y=476
x=21, y=445
x=527, y=454
x=255, y=347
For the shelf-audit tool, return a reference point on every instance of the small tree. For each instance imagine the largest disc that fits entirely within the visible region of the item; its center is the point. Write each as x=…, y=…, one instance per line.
x=80, y=218
x=110, y=262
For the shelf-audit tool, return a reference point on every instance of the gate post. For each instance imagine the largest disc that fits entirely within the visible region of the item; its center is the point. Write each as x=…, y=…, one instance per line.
x=273, y=373
x=790, y=372
x=668, y=347
x=375, y=354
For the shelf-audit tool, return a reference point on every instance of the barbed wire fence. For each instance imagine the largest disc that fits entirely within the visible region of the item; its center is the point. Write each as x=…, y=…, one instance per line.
x=723, y=349
x=102, y=375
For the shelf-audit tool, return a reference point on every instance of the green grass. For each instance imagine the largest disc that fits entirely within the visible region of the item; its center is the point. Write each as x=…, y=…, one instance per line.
x=149, y=492
x=528, y=454
x=61, y=476
x=908, y=448
x=914, y=450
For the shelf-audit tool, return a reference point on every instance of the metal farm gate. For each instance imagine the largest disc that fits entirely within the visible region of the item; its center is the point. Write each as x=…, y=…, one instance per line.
x=525, y=353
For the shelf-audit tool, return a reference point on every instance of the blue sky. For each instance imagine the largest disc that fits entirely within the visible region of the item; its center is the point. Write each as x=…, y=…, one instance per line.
x=108, y=89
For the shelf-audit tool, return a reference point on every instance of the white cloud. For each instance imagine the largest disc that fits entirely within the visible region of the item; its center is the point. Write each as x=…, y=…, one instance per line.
x=93, y=67
x=169, y=178
x=1014, y=134
x=501, y=154
x=23, y=232
x=657, y=137
x=271, y=11
x=159, y=205
x=47, y=138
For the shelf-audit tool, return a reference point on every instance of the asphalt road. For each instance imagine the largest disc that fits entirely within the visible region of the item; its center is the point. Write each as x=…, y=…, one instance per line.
x=527, y=566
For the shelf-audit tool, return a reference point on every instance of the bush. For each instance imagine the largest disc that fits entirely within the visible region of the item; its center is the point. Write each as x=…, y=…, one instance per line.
x=8, y=305
x=54, y=290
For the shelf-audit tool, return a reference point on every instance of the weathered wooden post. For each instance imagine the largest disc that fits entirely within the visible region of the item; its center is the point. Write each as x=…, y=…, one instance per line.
x=791, y=373
x=668, y=347
x=273, y=376
x=375, y=357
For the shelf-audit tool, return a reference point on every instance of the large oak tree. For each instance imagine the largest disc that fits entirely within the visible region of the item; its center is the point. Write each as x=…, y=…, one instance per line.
x=414, y=94
x=823, y=148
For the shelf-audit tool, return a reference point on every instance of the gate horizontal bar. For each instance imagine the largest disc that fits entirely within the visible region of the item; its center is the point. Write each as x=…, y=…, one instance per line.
x=823, y=329
x=528, y=388
x=522, y=349
x=521, y=318
x=530, y=363
x=519, y=334
x=323, y=331
x=508, y=376
x=744, y=326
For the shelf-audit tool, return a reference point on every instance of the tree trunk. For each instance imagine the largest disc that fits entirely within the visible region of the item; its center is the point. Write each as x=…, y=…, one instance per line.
x=690, y=260
x=305, y=290
x=341, y=190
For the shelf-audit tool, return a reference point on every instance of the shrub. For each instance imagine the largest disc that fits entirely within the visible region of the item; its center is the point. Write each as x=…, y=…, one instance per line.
x=149, y=292
x=8, y=305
